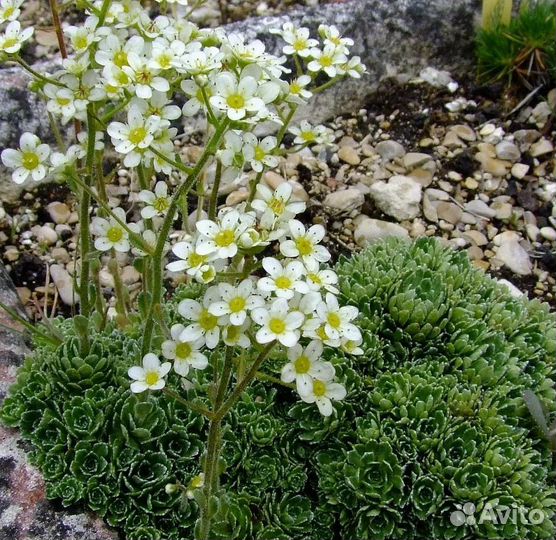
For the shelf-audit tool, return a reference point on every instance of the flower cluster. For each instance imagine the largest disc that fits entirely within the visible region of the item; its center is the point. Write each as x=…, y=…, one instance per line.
x=294, y=299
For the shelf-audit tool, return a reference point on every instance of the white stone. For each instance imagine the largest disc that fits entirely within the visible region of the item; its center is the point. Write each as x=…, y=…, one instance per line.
x=479, y=208
x=345, y=200
x=514, y=257
x=389, y=150
x=349, y=155
x=46, y=235
x=508, y=150
x=514, y=291
x=519, y=170
x=130, y=275
x=548, y=233
x=449, y=211
x=412, y=160
x=64, y=283
x=544, y=146
x=399, y=197
x=59, y=212
x=370, y=230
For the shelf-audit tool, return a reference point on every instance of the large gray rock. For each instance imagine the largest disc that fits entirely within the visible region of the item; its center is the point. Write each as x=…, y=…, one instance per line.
x=391, y=37
x=25, y=513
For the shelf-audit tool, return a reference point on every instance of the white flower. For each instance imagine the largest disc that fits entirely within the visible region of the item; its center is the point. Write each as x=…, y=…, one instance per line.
x=221, y=237
x=337, y=320
x=236, y=336
x=60, y=102
x=157, y=202
x=354, y=68
x=321, y=393
x=332, y=38
x=246, y=53
x=201, y=62
x=110, y=234
x=196, y=100
x=236, y=301
x=318, y=280
x=352, y=346
x=297, y=92
x=81, y=37
x=204, y=324
x=134, y=137
x=316, y=329
x=308, y=134
x=150, y=376
x=231, y=154
x=13, y=37
x=304, y=244
x=159, y=105
x=190, y=260
x=297, y=39
x=112, y=50
x=10, y=10
x=28, y=160
x=284, y=281
x=276, y=205
x=185, y=354
x=278, y=323
x=166, y=55
x=327, y=60
x=144, y=76
x=259, y=153
x=305, y=365
x=180, y=2
x=234, y=97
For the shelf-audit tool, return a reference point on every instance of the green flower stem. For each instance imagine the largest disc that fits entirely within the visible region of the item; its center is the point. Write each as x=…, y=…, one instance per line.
x=103, y=12
x=190, y=404
x=326, y=85
x=211, y=463
x=215, y=187
x=158, y=256
x=36, y=74
x=112, y=112
x=176, y=164
x=84, y=224
x=119, y=290
x=253, y=187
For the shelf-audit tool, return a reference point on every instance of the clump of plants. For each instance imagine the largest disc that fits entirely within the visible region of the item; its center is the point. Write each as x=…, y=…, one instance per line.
x=523, y=51
x=433, y=421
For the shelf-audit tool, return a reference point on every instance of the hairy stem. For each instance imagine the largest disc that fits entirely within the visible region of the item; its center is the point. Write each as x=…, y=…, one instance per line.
x=214, y=193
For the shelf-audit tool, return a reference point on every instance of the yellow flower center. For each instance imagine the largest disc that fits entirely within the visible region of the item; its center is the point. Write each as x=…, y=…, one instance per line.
x=277, y=206
x=283, y=282
x=161, y=204
x=207, y=321
x=8, y=12
x=120, y=59
x=183, y=350
x=304, y=246
x=225, y=238
x=321, y=333
x=259, y=153
x=237, y=304
x=319, y=388
x=63, y=101
x=308, y=136
x=302, y=365
x=315, y=278
x=277, y=326
x=194, y=259
x=80, y=42
x=11, y=42
x=326, y=61
x=137, y=135
x=144, y=77
x=30, y=160
x=165, y=61
x=235, y=101
x=295, y=88
x=115, y=234
x=197, y=482
x=122, y=78
x=334, y=320
x=152, y=377
x=233, y=333
x=300, y=44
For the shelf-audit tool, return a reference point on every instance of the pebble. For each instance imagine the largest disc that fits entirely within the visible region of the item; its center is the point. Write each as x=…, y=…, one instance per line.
x=11, y=253
x=532, y=231
x=60, y=255
x=46, y=235
x=369, y=231
x=345, y=200
x=130, y=275
x=412, y=160
x=59, y=212
x=471, y=183
x=64, y=283
x=389, y=150
x=480, y=208
x=399, y=197
x=477, y=237
x=449, y=212
x=544, y=146
x=349, y=155
x=464, y=132
x=515, y=258
x=236, y=197
x=519, y=170
x=503, y=210
x=514, y=291
x=492, y=165
x=548, y=233
x=508, y=151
